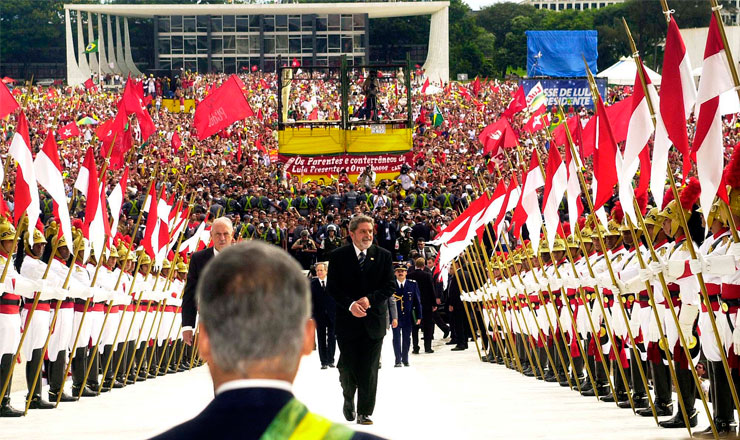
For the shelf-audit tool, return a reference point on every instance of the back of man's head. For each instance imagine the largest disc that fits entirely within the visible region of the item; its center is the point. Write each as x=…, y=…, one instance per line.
x=253, y=303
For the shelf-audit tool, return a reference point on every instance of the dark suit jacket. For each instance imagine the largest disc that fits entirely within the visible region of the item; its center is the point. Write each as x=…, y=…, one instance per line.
x=347, y=283
x=425, y=281
x=242, y=414
x=323, y=305
x=454, y=287
x=189, y=305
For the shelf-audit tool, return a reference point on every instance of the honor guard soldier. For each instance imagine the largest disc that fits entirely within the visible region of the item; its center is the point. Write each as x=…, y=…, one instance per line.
x=32, y=268
x=10, y=318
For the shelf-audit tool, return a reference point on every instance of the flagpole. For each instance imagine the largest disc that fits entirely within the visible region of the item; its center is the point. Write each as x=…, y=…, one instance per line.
x=684, y=224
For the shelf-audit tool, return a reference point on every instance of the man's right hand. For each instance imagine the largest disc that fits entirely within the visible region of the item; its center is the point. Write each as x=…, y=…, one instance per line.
x=357, y=310
x=187, y=337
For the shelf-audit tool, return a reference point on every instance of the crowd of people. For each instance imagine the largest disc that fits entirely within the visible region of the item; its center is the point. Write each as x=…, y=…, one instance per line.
x=234, y=174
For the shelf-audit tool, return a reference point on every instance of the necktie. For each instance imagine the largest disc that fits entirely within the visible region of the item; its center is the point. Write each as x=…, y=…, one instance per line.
x=323, y=285
x=361, y=259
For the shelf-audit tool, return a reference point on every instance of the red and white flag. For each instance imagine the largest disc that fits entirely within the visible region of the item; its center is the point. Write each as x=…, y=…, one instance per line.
x=49, y=172
x=150, y=241
x=492, y=207
x=221, y=108
x=115, y=201
x=639, y=131
x=573, y=188
x=510, y=201
x=163, y=231
x=528, y=210
x=94, y=225
x=606, y=157
x=677, y=91
x=555, y=185
x=707, y=148
x=69, y=131
x=26, y=191
x=518, y=104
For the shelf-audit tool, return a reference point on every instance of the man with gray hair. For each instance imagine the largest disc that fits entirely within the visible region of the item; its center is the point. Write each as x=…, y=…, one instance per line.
x=361, y=280
x=222, y=235
x=254, y=327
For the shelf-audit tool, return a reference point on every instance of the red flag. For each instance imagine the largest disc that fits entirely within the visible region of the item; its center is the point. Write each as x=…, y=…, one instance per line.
x=264, y=85
x=90, y=85
x=150, y=240
x=176, y=143
x=605, y=158
x=259, y=146
x=133, y=102
x=619, y=116
x=68, y=131
x=518, y=104
x=260, y=116
x=8, y=104
x=424, y=87
x=221, y=108
x=239, y=151
x=314, y=114
x=499, y=134
x=476, y=86
x=110, y=130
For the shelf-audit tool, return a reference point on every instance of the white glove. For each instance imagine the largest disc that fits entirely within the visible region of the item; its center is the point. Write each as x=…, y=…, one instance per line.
x=720, y=265
x=605, y=282
x=588, y=281
x=621, y=288
x=657, y=267
x=645, y=275
x=686, y=318
x=635, y=285
x=734, y=250
x=736, y=339
x=695, y=266
x=542, y=285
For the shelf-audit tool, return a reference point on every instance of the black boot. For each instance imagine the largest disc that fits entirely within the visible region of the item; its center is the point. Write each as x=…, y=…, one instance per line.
x=56, y=379
x=662, y=409
x=38, y=403
x=53, y=396
x=725, y=428
x=8, y=411
x=678, y=422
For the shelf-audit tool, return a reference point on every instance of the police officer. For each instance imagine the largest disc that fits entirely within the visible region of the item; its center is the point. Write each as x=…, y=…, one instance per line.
x=331, y=241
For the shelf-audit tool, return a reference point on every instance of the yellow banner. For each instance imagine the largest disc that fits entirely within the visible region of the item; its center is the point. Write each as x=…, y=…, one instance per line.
x=379, y=138
x=173, y=105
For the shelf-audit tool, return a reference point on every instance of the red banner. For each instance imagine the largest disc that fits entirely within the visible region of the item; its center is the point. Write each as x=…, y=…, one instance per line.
x=352, y=163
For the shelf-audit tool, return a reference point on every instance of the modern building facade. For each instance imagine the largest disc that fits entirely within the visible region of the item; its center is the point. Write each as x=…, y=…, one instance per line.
x=578, y=5
x=234, y=38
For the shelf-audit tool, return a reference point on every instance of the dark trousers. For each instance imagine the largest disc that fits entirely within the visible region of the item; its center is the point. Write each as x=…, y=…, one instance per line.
x=5, y=362
x=662, y=383
x=79, y=364
x=401, y=343
x=32, y=365
x=327, y=341
x=358, y=370
x=56, y=373
x=720, y=393
x=460, y=320
x=427, y=328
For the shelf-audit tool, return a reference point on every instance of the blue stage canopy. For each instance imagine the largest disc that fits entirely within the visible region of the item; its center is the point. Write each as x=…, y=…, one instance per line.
x=560, y=53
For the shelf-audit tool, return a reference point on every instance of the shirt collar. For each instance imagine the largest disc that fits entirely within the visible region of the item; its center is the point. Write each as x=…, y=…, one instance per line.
x=357, y=251
x=215, y=251
x=254, y=383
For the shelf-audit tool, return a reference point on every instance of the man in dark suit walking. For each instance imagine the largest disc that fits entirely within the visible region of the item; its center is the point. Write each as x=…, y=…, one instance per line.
x=222, y=235
x=254, y=328
x=361, y=280
x=324, y=314
x=425, y=280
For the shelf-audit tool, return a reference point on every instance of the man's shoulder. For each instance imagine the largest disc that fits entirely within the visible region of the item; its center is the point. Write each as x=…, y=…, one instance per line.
x=203, y=254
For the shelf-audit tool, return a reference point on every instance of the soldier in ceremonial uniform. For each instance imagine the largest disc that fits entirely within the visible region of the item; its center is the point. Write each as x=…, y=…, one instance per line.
x=109, y=280
x=685, y=295
x=81, y=290
x=33, y=268
x=408, y=305
x=10, y=318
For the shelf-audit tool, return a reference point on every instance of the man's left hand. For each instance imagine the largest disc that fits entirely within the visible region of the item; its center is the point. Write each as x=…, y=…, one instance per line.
x=418, y=321
x=364, y=302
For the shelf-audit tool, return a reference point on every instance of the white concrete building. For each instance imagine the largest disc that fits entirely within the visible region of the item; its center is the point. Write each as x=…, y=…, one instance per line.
x=234, y=37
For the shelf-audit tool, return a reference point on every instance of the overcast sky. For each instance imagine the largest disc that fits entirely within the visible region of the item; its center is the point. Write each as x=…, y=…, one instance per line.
x=477, y=4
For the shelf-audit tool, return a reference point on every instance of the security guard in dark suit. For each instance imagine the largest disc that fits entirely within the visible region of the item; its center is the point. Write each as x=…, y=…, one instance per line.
x=408, y=304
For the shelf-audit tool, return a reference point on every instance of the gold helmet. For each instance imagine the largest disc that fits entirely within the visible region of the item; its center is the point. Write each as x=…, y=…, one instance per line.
x=112, y=252
x=7, y=230
x=543, y=249
x=38, y=238
x=735, y=201
x=51, y=230
x=559, y=245
x=144, y=259
x=671, y=213
x=613, y=229
x=573, y=242
x=586, y=234
x=166, y=264
x=654, y=217
x=181, y=267
x=686, y=200
x=717, y=212
x=595, y=232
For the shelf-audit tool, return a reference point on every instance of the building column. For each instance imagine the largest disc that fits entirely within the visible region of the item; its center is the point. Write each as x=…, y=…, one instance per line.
x=366, y=39
x=82, y=57
x=156, y=43
x=208, y=43
x=74, y=75
x=313, y=39
x=127, y=50
x=437, y=64
x=262, y=44
x=119, y=49
x=103, y=60
x=93, y=60
x=111, y=52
